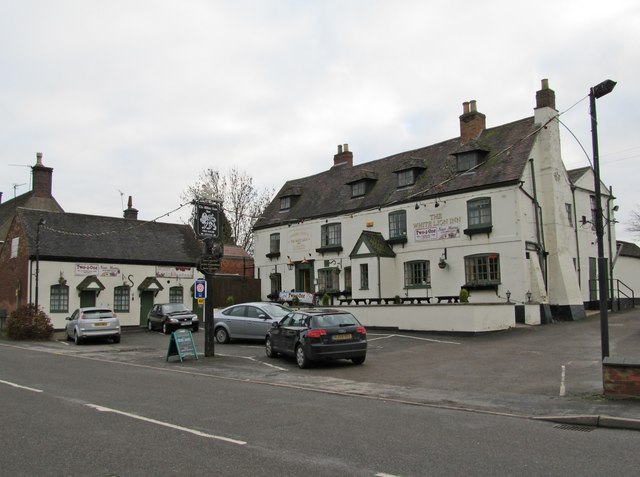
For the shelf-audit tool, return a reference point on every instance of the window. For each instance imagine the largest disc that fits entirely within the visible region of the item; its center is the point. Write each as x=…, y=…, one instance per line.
x=569, y=214
x=347, y=278
x=331, y=235
x=398, y=224
x=364, y=276
x=406, y=178
x=274, y=243
x=479, y=216
x=276, y=282
x=121, y=299
x=468, y=160
x=358, y=189
x=482, y=269
x=176, y=294
x=285, y=203
x=328, y=280
x=59, y=299
x=14, y=246
x=416, y=274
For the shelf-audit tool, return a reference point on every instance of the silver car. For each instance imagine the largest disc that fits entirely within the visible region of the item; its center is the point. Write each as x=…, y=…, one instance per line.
x=92, y=322
x=247, y=320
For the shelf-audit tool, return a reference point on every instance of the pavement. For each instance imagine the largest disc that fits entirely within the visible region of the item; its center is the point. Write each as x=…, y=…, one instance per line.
x=550, y=372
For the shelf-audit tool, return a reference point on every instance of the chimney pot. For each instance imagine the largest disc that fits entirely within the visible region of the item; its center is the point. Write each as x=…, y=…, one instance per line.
x=465, y=107
x=473, y=106
x=545, y=97
x=344, y=157
x=472, y=122
x=38, y=159
x=339, y=148
x=345, y=147
x=131, y=213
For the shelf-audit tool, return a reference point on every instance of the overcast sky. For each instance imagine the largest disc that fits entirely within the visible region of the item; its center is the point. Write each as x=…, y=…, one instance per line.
x=138, y=97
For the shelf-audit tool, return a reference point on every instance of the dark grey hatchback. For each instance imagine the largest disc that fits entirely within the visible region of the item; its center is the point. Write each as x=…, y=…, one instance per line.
x=316, y=335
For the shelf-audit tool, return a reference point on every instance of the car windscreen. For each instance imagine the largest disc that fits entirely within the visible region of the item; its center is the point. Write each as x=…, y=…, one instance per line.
x=173, y=307
x=339, y=319
x=97, y=314
x=276, y=311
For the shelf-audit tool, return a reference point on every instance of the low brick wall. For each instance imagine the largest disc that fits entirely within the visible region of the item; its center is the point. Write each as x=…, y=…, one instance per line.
x=621, y=378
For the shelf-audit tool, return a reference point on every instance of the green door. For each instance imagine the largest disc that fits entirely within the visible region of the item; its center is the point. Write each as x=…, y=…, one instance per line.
x=87, y=298
x=146, y=302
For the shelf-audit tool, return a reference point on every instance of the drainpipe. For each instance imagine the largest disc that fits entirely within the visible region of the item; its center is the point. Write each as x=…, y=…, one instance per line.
x=539, y=229
x=609, y=199
x=379, y=279
x=575, y=230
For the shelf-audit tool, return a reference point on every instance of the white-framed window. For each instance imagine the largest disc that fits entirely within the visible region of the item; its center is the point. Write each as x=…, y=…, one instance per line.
x=479, y=212
x=364, y=276
x=285, y=203
x=121, y=299
x=274, y=243
x=176, y=295
x=398, y=224
x=358, y=189
x=59, y=299
x=406, y=177
x=331, y=235
x=417, y=274
x=482, y=269
x=328, y=279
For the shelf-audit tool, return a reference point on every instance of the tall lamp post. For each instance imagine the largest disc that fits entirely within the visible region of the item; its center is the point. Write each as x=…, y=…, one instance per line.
x=596, y=92
x=41, y=222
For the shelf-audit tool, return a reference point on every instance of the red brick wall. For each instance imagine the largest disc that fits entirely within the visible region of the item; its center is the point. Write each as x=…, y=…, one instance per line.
x=237, y=266
x=14, y=273
x=621, y=378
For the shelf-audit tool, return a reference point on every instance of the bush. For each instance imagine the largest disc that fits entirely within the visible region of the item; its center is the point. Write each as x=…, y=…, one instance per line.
x=326, y=299
x=464, y=295
x=230, y=300
x=29, y=323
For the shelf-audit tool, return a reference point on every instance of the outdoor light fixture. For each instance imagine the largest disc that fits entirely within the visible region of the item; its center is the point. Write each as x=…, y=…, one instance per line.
x=289, y=263
x=508, y=296
x=529, y=296
x=596, y=92
x=443, y=260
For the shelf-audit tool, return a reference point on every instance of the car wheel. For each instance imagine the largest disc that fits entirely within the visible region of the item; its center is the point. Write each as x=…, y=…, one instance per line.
x=149, y=325
x=268, y=349
x=195, y=329
x=76, y=338
x=116, y=339
x=66, y=335
x=301, y=359
x=222, y=336
x=165, y=328
x=359, y=360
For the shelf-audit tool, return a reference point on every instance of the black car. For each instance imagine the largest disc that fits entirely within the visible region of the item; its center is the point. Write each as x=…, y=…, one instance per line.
x=171, y=316
x=316, y=335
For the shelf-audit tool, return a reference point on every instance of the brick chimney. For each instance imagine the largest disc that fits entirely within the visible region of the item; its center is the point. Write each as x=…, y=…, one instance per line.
x=130, y=212
x=545, y=97
x=42, y=178
x=344, y=157
x=472, y=123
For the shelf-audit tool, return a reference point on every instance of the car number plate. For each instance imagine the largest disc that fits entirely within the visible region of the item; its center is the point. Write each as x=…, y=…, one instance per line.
x=186, y=323
x=341, y=337
x=100, y=324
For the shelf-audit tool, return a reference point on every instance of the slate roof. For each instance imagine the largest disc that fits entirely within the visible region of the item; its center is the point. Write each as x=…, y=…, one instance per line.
x=27, y=200
x=375, y=243
x=628, y=249
x=91, y=238
x=329, y=193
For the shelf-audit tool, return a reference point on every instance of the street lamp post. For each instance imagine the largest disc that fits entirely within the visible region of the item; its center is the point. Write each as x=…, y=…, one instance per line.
x=603, y=295
x=41, y=222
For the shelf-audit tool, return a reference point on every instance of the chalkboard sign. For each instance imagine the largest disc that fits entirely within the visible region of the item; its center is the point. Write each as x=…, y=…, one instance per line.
x=181, y=344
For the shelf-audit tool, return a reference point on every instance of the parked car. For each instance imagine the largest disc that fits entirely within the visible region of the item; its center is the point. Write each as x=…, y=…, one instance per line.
x=86, y=323
x=247, y=320
x=318, y=334
x=169, y=317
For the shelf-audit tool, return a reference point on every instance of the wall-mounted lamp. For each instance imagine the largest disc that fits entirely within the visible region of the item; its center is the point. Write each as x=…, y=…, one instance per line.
x=439, y=202
x=289, y=263
x=417, y=206
x=529, y=296
x=508, y=296
x=443, y=260
x=616, y=208
x=305, y=260
x=336, y=263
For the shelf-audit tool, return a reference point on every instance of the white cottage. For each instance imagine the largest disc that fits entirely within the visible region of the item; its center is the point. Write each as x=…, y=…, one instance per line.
x=492, y=211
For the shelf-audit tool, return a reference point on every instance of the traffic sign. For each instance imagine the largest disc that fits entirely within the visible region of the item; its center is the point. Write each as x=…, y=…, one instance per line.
x=201, y=288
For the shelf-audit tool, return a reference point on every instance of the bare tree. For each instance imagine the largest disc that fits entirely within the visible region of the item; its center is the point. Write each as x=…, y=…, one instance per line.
x=634, y=223
x=242, y=203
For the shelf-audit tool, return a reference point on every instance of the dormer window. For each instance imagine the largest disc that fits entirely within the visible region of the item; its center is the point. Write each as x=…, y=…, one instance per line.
x=285, y=203
x=406, y=177
x=469, y=160
x=358, y=189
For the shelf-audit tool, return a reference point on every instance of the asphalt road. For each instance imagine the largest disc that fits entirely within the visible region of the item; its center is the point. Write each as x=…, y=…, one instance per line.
x=123, y=410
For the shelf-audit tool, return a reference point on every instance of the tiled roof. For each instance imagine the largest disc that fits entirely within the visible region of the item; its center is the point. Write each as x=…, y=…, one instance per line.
x=328, y=193
x=79, y=237
x=628, y=249
x=27, y=200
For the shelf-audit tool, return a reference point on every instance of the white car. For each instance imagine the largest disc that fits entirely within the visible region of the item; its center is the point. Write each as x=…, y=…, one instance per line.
x=247, y=320
x=92, y=322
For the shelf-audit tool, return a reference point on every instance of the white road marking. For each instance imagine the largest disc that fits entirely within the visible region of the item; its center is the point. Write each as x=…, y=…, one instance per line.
x=21, y=387
x=251, y=358
x=166, y=424
x=384, y=337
